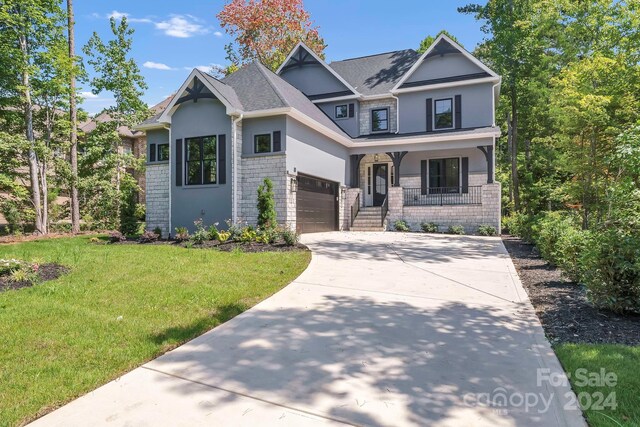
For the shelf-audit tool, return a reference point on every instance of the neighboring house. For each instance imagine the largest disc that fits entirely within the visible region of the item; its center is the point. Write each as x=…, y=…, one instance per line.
x=352, y=145
x=132, y=141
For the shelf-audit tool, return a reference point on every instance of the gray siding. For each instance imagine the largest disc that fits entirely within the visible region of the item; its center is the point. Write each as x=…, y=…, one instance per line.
x=260, y=125
x=312, y=153
x=313, y=79
x=436, y=67
x=156, y=136
x=476, y=106
x=188, y=202
x=350, y=125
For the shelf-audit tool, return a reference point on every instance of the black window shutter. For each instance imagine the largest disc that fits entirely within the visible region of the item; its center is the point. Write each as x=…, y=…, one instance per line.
x=465, y=174
x=277, y=144
x=352, y=110
x=429, y=115
x=178, y=162
x=222, y=159
x=423, y=177
x=152, y=152
x=458, y=107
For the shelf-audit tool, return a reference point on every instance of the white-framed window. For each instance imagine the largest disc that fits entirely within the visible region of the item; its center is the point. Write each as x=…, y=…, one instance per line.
x=443, y=113
x=262, y=143
x=342, y=111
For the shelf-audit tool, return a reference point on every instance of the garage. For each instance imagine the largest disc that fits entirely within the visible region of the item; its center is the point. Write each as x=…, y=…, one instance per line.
x=316, y=205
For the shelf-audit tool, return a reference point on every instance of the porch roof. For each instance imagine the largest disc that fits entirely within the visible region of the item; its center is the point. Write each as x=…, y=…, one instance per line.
x=453, y=134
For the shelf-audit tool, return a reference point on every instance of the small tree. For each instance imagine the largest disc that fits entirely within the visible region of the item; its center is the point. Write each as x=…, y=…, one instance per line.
x=266, y=205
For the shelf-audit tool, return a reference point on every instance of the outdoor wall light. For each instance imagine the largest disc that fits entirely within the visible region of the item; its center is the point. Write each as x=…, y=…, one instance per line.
x=375, y=158
x=293, y=187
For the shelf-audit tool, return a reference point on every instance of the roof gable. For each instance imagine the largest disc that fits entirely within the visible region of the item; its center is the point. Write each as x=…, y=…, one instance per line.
x=311, y=75
x=445, y=61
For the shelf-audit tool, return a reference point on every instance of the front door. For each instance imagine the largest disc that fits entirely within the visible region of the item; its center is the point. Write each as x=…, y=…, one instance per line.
x=380, y=186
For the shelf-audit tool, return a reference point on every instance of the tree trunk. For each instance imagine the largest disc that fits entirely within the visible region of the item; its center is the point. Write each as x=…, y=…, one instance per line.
x=509, y=155
x=33, y=158
x=514, y=151
x=45, y=196
x=73, y=117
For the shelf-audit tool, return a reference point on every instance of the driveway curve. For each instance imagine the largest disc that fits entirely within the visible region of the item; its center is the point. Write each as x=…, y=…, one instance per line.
x=382, y=329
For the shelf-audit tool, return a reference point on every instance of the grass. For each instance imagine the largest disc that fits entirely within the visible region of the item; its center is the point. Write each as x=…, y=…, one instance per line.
x=120, y=305
x=619, y=359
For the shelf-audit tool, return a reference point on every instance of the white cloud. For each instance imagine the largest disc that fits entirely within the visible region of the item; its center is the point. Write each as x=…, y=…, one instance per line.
x=156, y=66
x=118, y=15
x=88, y=95
x=217, y=34
x=211, y=68
x=181, y=26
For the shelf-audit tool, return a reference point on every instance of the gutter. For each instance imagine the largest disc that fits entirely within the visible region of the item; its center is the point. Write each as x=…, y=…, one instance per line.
x=397, y=113
x=234, y=169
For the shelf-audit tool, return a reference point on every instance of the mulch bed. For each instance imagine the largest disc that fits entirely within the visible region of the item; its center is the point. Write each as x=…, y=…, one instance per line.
x=45, y=272
x=226, y=247
x=562, y=306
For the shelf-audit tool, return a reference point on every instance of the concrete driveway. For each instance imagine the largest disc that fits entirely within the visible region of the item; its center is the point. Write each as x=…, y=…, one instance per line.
x=382, y=329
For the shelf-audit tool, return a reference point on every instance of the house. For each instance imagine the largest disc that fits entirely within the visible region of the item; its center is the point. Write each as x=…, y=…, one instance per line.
x=354, y=144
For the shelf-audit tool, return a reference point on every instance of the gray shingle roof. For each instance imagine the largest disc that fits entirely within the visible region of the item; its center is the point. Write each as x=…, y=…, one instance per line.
x=376, y=74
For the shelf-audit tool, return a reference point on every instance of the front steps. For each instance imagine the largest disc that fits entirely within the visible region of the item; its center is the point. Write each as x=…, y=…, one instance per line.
x=368, y=219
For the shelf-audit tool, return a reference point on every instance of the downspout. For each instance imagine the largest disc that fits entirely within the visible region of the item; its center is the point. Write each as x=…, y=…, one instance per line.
x=170, y=181
x=397, y=113
x=493, y=102
x=234, y=169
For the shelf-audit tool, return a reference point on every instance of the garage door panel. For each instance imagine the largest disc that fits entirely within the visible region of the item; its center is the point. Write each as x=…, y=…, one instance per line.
x=317, y=205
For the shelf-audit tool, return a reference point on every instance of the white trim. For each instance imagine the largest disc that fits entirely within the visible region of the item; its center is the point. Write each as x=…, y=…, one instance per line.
x=149, y=126
x=321, y=61
x=267, y=113
x=448, y=84
x=336, y=99
x=428, y=51
x=493, y=99
x=168, y=112
x=171, y=160
x=234, y=170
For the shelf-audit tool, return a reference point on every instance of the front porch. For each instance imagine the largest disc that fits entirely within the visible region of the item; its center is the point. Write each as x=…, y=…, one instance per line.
x=446, y=187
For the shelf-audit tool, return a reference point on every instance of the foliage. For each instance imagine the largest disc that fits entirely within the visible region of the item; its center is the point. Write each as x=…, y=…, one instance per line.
x=548, y=228
x=247, y=235
x=428, y=41
x=401, y=225
x=182, y=234
x=290, y=237
x=148, y=237
x=223, y=236
x=214, y=233
x=13, y=215
x=487, y=230
x=78, y=313
x=234, y=229
x=455, y=229
x=201, y=234
x=158, y=231
x=519, y=224
x=266, y=206
x=7, y=266
x=611, y=262
x=116, y=236
x=429, y=227
x=267, y=31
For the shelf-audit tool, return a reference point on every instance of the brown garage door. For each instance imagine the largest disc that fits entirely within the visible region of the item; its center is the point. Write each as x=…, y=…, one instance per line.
x=317, y=205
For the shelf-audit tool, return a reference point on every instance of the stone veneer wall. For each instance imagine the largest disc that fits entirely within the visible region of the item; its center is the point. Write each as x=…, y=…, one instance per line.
x=469, y=216
x=365, y=114
x=254, y=170
x=350, y=198
x=157, y=197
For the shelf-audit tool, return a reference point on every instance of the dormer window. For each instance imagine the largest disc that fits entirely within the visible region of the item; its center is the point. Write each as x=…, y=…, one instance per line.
x=380, y=120
x=342, y=111
x=443, y=117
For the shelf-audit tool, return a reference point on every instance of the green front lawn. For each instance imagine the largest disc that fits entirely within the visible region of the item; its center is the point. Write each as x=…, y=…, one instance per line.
x=120, y=305
x=624, y=362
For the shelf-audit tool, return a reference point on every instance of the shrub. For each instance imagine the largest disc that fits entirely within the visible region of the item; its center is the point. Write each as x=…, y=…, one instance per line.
x=520, y=225
x=148, y=237
x=267, y=236
x=182, y=234
x=234, y=229
x=158, y=231
x=116, y=236
x=214, y=233
x=401, y=225
x=201, y=234
x=247, y=235
x=26, y=273
x=95, y=240
x=7, y=266
x=487, y=230
x=429, y=227
x=571, y=244
x=266, y=205
x=140, y=211
x=548, y=229
x=223, y=236
x=610, y=264
x=13, y=215
x=290, y=237
x=455, y=229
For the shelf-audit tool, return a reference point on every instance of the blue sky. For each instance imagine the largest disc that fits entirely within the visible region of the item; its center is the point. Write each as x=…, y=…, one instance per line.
x=173, y=37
